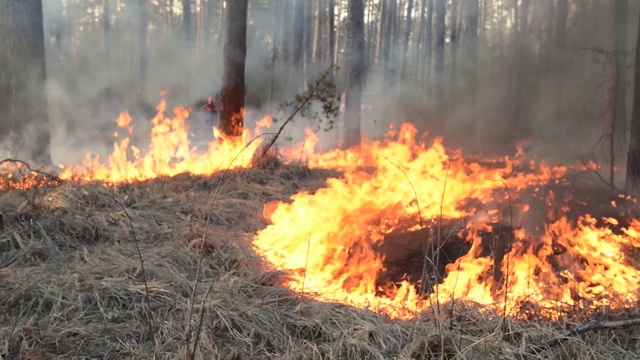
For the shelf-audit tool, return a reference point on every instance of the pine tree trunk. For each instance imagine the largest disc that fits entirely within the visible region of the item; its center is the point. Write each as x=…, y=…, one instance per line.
x=520, y=48
x=106, y=29
x=471, y=39
x=355, y=83
x=632, y=186
x=308, y=42
x=381, y=35
x=389, y=25
x=298, y=42
x=620, y=125
x=187, y=25
x=453, y=44
x=407, y=35
x=235, y=53
x=332, y=32
x=441, y=31
x=144, y=53
x=336, y=51
x=428, y=46
x=23, y=98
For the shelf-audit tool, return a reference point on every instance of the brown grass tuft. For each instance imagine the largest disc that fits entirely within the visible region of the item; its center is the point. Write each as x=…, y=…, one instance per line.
x=71, y=284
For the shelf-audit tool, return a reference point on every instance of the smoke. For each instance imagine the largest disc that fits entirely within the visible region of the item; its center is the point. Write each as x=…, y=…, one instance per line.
x=561, y=100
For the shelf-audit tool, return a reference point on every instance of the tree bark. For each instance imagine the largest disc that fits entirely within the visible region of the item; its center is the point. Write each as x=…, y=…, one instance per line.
x=356, y=65
x=471, y=38
x=332, y=32
x=187, y=25
x=440, y=36
x=106, y=28
x=298, y=42
x=621, y=125
x=388, y=57
x=632, y=186
x=144, y=53
x=235, y=53
x=23, y=77
x=407, y=34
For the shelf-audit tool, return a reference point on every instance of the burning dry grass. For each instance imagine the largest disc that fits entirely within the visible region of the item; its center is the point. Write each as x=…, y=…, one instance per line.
x=71, y=284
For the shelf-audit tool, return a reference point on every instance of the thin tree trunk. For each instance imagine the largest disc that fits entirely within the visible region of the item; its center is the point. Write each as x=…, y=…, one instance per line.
x=620, y=134
x=420, y=43
x=428, y=45
x=144, y=54
x=611, y=83
x=298, y=43
x=332, y=32
x=106, y=28
x=187, y=25
x=388, y=66
x=235, y=53
x=355, y=83
x=453, y=43
x=382, y=6
x=407, y=35
x=275, y=51
x=471, y=40
x=632, y=185
x=336, y=52
x=520, y=48
x=440, y=13
x=308, y=42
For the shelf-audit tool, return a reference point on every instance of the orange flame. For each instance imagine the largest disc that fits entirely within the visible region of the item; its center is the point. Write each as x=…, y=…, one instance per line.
x=329, y=240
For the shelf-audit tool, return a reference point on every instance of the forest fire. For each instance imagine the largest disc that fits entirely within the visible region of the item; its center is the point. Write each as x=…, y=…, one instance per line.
x=408, y=225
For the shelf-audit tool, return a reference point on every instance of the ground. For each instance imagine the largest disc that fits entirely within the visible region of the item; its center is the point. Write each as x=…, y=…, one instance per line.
x=72, y=285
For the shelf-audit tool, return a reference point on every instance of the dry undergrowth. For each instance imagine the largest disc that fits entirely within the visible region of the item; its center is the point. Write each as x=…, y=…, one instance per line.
x=71, y=284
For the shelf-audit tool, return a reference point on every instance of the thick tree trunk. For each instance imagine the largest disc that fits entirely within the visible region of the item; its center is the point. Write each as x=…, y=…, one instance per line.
x=356, y=66
x=23, y=76
x=235, y=53
x=632, y=186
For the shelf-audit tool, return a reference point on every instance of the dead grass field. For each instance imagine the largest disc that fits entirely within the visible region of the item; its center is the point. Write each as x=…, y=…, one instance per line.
x=71, y=285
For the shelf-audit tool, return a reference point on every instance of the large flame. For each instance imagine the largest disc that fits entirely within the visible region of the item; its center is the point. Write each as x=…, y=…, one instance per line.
x=328, y=240
x=170, y=152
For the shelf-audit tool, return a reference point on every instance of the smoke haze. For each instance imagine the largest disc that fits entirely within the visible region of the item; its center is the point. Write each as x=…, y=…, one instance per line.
x=560, y=97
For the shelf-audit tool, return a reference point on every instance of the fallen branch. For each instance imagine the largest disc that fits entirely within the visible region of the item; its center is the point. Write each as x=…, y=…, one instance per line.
x=591, y=326
x=25, y=164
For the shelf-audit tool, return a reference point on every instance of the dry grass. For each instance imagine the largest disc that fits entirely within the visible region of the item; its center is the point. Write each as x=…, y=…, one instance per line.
x=71, y=284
